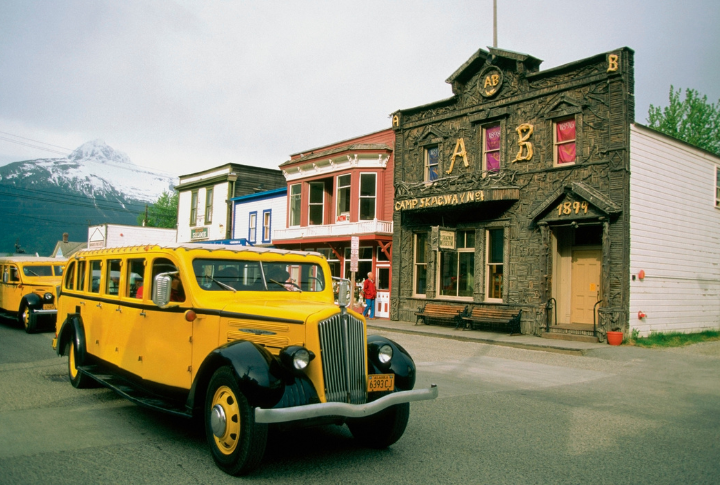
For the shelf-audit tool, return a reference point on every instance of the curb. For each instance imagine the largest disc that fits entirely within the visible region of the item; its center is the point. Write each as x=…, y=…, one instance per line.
x=524, y=346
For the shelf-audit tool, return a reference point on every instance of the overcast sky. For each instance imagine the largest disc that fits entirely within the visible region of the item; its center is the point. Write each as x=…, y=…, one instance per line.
x=184, y=86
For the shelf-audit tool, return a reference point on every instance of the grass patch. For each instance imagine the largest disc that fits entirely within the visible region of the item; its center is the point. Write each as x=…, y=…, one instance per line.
x=672, y=339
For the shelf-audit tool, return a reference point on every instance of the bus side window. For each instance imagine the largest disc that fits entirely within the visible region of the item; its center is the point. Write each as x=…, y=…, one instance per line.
x=81, y=275
x=112, y=278
x=70, y=277
x=134, y=278
x=14, y=276
x=95, y=276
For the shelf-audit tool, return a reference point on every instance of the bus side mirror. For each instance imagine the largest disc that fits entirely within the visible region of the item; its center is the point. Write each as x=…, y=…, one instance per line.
x=343, y=293
x=161, y=289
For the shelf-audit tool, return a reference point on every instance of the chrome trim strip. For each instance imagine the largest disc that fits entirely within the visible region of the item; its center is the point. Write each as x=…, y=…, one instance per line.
x=296, y=413
x=44, y=312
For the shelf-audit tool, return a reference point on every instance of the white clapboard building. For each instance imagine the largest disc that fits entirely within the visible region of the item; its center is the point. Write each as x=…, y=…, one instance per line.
x=674, y=235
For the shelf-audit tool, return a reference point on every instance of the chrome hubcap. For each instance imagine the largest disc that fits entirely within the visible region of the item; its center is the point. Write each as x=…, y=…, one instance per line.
x=218, y=421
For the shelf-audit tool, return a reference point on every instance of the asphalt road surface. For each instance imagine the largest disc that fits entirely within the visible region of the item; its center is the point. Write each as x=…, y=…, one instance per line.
x=504, y=415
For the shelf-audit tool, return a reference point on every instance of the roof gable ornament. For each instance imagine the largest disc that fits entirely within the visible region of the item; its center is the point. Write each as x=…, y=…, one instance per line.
x=563, y=106
x=431, y=135
x=574, y=201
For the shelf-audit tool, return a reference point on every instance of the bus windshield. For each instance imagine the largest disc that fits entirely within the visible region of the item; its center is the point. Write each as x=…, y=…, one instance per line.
x=234, y=275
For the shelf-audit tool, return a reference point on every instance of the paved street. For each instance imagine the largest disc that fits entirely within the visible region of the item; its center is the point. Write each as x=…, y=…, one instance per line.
x=504, y=415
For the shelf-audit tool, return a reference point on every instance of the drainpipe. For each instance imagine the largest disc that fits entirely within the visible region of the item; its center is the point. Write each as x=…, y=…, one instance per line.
x=232, y=177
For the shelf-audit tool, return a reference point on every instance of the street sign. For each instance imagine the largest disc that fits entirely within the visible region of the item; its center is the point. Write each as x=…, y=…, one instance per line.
x=354, y=253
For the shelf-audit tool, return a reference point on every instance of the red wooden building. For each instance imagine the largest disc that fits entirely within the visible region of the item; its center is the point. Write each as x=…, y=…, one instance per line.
x=339, y=191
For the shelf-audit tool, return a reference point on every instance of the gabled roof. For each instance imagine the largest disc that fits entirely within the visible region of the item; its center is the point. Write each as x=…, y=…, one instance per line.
x=478, y=60
x=333, y=151
x=593, y=196
x=67, y=249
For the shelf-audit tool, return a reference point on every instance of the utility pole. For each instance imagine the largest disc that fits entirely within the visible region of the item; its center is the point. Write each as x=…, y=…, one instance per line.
x=495, y=23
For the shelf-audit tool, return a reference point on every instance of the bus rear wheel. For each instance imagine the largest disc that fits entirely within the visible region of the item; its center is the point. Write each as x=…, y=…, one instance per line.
x=77, y=378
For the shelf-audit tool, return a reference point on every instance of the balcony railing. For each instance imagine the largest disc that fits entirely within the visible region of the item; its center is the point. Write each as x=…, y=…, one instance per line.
x=342, y=229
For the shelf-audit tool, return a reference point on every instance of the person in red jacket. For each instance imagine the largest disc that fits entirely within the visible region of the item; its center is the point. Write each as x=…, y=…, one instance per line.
x=369, y=292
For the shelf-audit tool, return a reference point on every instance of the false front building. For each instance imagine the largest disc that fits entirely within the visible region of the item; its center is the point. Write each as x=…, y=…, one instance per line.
x=338, y=192
x=516, y=193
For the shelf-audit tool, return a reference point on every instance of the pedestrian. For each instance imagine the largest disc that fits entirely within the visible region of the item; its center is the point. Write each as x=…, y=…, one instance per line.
x=369, y=292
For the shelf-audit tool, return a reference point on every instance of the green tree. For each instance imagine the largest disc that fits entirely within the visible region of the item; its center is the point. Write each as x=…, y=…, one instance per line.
x=692, y=119
x=163, y=213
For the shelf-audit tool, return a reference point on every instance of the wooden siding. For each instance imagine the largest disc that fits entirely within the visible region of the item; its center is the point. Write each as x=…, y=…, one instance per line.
x=674, y=235
x=241, y=224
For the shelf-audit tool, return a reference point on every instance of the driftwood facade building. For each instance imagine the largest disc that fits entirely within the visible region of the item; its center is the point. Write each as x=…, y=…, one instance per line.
x=514, y=192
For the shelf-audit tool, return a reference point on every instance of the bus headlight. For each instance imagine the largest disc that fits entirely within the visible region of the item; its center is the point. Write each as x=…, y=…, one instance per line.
x=296, y=357
x=385, y=353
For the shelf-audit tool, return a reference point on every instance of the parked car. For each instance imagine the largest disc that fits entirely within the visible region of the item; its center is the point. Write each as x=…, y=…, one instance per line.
x=225, y=334
x=27, y=290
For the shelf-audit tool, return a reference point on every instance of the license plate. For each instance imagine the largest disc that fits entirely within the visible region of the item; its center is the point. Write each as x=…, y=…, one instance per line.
x=381, y=382
x=48, y=306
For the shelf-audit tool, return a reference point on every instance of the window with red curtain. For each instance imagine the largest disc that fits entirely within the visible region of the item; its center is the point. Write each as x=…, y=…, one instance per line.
x=565, y=141
x=491, y=149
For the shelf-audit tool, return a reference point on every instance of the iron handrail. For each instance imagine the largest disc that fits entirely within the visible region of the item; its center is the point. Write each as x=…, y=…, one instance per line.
x=594, y=317
x=548, y=307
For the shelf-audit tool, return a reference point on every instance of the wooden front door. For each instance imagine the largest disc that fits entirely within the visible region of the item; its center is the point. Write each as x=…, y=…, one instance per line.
x=586, y=265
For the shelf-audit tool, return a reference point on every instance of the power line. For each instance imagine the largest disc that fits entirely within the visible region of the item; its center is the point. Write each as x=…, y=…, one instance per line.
x=23, y=216
x=139, y=205
x=66, y=154
x=33, y=146
x=90, y=203
x=36, y=141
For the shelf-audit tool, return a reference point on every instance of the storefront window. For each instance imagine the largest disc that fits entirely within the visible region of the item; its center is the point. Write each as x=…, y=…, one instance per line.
x=457, y=268
x=208, y=205
x=431, y=164
x=495, y=255
x=332, y=260
x=564, y=140
x=343, y=198
x=420, y=264
x=193, y=208
x=252, y=227
x=491, y=149
x=367, y=196
x=267, y=215
x=383, y=279
x=317, y=202
x=295, y=200
x=365, y=258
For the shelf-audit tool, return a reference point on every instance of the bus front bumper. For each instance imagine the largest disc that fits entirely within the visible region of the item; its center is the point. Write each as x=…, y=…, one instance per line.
x=296, y=413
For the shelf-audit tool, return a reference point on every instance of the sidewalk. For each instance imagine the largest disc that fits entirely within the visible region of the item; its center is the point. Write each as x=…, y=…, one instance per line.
x=529, y=342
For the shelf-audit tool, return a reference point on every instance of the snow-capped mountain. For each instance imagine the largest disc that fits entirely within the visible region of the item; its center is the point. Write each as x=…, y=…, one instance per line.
x=41, y=199
x=93, y=169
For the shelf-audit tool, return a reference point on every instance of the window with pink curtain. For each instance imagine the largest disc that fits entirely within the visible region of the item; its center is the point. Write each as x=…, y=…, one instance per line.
x=565, y=141
x=492, y=149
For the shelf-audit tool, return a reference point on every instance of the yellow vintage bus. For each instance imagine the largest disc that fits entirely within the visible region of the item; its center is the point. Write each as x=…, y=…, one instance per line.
x=242, y=337
x=27, y=290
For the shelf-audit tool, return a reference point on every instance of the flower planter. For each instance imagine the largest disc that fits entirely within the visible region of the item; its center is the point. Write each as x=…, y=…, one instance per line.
x=614, y=338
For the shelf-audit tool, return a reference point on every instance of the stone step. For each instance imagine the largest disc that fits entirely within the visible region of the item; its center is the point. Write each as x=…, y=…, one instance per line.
x=570, y=336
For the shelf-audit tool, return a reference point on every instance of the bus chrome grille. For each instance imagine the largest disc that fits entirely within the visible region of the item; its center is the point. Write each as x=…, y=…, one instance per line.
x=342, y=347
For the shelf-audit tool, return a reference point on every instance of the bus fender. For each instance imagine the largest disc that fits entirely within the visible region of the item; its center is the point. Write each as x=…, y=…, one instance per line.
x=32, y=301
x=254, y=367
x=72, y=328
x=402, y=365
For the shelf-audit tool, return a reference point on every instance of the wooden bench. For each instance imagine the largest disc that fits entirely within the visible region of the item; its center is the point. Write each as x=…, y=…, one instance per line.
x=441, y=312
x=494, y=318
